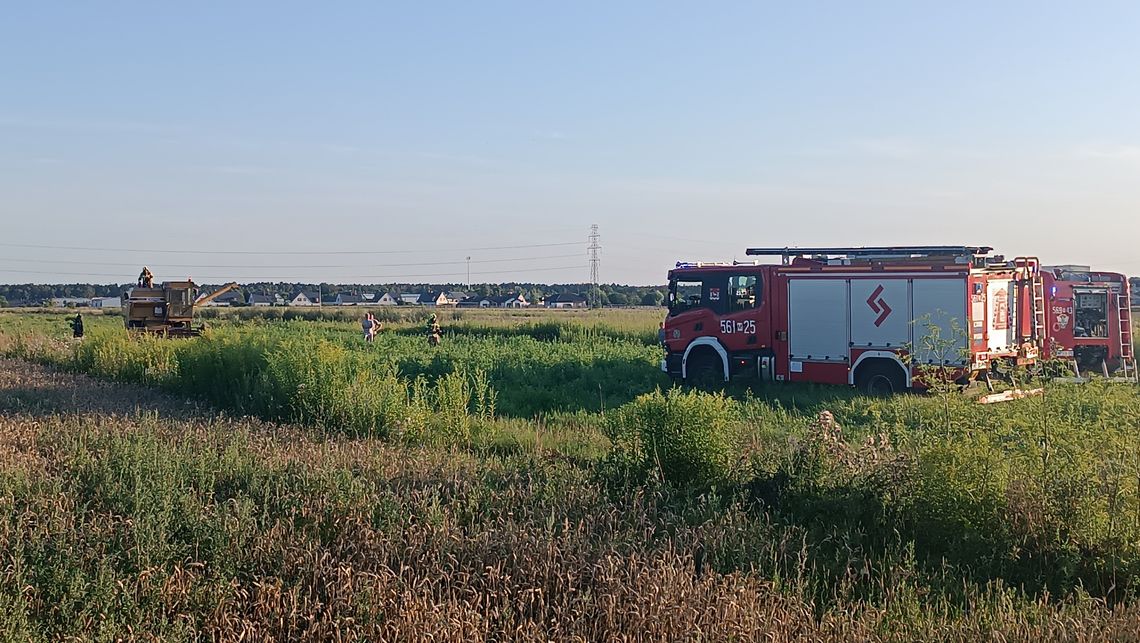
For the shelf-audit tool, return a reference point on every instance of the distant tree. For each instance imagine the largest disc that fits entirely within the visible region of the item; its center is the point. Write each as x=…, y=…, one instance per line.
x=617, y=299
x=653, y=298
x=3, y=302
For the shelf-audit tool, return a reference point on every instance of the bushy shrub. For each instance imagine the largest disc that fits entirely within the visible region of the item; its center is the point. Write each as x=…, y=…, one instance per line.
x=686, y=437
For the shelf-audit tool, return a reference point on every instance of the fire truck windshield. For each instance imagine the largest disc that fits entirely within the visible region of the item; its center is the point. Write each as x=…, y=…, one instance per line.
x=723, y=293
x=1092, y=314
x=684, y=295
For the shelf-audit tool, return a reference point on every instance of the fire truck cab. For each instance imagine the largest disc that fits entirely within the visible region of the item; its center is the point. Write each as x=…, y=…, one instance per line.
x=865, y=317
x=1089, y=320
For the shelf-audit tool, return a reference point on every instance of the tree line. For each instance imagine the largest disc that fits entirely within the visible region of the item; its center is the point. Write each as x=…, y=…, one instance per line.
x=609, y=294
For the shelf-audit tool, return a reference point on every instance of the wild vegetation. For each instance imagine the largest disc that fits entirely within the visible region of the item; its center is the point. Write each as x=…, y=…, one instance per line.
x=539, y=478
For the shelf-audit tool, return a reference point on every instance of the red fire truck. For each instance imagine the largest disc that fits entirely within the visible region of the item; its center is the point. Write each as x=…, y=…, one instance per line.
x=859, y=316
x=1089, y=320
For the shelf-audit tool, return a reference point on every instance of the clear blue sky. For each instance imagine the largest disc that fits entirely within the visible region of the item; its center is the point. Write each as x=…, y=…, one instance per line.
x=685, y=130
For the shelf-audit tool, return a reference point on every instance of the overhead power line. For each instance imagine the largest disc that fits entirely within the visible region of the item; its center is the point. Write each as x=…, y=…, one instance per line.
x=196, y=266
x=341, y=278
x=460, y=274
x=289, y=252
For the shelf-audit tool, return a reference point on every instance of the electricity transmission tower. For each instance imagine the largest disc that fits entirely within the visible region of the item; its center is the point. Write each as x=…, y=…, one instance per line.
x=595, y=261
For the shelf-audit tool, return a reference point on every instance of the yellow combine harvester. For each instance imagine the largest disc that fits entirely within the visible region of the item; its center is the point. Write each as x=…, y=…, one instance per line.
x=167, y=309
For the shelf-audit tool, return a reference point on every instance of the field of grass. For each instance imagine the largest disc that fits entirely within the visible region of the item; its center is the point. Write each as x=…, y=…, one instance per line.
x=535, y=477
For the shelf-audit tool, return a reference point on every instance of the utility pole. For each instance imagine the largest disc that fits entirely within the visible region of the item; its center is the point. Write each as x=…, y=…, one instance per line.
x=468, y=273
x=595, y=261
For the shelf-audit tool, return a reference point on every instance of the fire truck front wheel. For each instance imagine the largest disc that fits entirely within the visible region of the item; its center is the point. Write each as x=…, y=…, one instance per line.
x=880, y=378
x=705, y=371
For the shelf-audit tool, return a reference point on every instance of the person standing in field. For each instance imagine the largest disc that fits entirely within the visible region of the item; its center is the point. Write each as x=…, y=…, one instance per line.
x=377, y=326
x=368, y=325
x=434, y=331
x=77, y=326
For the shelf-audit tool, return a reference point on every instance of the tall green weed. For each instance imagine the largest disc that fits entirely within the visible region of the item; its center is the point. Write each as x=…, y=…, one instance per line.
x=684, y=437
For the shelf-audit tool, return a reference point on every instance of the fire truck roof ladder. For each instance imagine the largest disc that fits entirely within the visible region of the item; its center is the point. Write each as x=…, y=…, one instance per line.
x=1127, y=358
x=1027, y=271
x=873, y=252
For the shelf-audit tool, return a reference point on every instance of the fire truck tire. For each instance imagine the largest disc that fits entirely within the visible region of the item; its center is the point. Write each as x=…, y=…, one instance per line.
x=880, y=378
x=705, y=371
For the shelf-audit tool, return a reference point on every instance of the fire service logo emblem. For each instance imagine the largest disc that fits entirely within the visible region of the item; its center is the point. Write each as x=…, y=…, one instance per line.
x=1062, y=315
x=879, y=305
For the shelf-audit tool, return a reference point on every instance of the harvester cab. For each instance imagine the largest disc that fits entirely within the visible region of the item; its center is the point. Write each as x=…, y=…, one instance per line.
x=167, y=309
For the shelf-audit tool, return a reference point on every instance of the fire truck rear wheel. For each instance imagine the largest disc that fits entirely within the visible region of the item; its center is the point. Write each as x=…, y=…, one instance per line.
x=880, y=379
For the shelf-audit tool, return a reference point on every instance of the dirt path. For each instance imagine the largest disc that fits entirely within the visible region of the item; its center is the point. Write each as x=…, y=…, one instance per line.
x=36, y=398
x=33, y=389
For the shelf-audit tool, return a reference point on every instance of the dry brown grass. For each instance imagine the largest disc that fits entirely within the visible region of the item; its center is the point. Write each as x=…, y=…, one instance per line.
x=125, y=513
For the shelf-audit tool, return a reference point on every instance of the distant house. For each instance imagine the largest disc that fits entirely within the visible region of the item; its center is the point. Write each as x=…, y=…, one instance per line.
x=475, y=301
x=106, y=302
x=349, y=299
x=512, y=301
x=454, y=297
x=70, y=301
x=387, y=299
x=232, y=298
x=566, y=300
x=501, y=301
x=305, y=298
x=434, y=299
x=264, y=300
x=410, y=298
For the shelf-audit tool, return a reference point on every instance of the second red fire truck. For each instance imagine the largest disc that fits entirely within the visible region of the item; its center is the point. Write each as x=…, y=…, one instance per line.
x=871, y=316
x=1089, y=320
